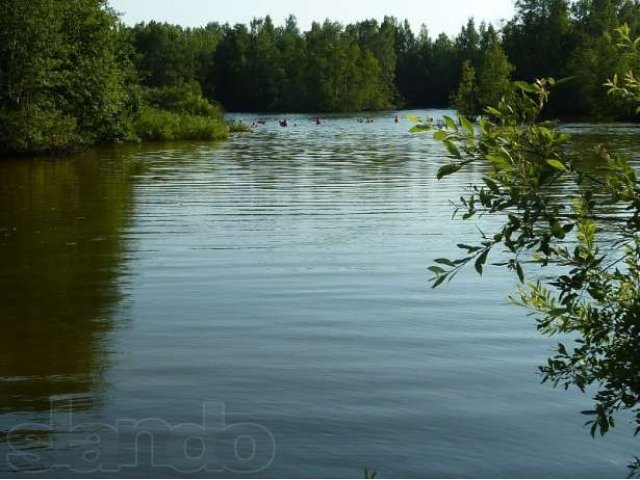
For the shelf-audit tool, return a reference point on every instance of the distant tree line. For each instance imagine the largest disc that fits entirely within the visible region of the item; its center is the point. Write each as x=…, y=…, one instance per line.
x=371, y=66
x=261, y=67
x=71, y=73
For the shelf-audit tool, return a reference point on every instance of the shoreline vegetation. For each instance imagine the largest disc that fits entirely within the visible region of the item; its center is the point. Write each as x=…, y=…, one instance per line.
x=73, y=75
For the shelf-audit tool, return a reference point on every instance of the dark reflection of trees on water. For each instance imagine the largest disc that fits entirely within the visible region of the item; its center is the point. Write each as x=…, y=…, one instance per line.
x=62, y=256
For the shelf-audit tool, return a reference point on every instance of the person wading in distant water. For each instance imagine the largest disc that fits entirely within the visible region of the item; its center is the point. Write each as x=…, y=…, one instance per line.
x=284, y=123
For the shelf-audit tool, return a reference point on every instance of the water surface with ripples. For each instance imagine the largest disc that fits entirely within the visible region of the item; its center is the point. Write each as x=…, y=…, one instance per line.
x=279, y=278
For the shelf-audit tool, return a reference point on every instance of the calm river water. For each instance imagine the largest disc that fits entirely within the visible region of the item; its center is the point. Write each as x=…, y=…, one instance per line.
x=262, y=307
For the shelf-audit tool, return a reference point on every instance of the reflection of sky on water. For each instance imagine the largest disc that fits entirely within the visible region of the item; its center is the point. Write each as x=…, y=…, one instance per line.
x=281, y=274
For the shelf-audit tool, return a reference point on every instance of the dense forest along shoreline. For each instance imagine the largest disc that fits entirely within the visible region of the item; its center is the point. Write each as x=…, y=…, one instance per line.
x=74, y=75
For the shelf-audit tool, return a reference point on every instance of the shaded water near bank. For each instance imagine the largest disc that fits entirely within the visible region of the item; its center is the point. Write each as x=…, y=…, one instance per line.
x=261, y=306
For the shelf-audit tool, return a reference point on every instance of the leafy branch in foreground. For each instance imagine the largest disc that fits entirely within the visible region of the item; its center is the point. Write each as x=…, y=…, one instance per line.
x=579, y=215
x=628, y=87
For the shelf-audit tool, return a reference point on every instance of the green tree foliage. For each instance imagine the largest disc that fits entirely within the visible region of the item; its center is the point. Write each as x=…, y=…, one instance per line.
x=168, y=54
x=71, y=74
x=494, y=75
x=596, y=55
x=379, y=41
x=164, y=125
x=67, y=78
x=292, y=46
x=465, y=99
x=445, y=71
x=492, y=81
x=573, y=40
x=428, y=71
x=538, y=39
x=332, y=67
x=329, y=68
x=628, y=87
x=409, y=68
x=589, y=235
x=64, y=75
x=265, y=66
x=183, y=97
x=231, y=75
x=178, y=112
x=467, y=44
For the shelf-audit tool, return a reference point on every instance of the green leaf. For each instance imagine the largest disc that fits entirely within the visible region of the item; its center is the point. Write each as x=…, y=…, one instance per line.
x=439, y=281
x=445, y=261
x=525, y=87
x=467, y=125
x=520, y=272
x=557, y=230
x=494, y=112
x=450, y=123
x=452, y=149
x=448, y=169
x=557, y=164
x=499, y=161
x=468, y=248
x=420, y=129
x=481, y=261
x=564, y=80
x=492, y=185
x=370, y=475
x=440, y=135
x=436, y=270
